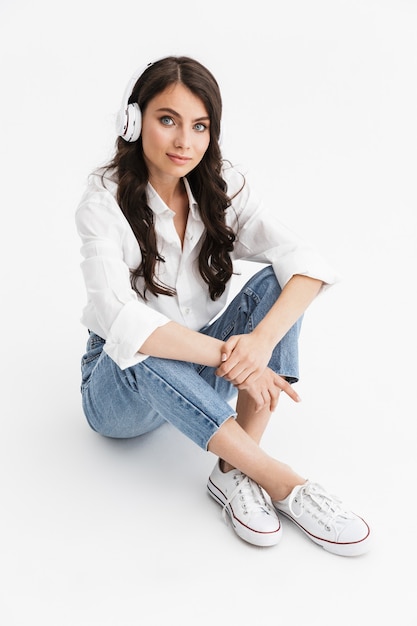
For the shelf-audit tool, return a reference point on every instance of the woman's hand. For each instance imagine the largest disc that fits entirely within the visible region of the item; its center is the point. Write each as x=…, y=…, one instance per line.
x=244, y=359
x=265, y=391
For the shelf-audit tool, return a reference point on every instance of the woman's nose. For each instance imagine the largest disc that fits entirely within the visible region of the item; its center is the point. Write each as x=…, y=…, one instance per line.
x=182, y=139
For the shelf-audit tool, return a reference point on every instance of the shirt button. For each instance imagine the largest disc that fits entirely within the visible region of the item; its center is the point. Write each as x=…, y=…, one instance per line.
x=187, y=311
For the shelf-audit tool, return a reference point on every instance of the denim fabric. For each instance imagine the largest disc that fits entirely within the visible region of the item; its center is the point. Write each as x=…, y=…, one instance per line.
x=127, y=403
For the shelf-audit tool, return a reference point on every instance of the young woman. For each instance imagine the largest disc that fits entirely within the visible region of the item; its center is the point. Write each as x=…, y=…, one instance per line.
x=161, y=227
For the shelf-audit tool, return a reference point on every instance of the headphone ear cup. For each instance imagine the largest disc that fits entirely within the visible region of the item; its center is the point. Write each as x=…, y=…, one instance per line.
x=129, y=117
x=129, y=122
x=133, y=123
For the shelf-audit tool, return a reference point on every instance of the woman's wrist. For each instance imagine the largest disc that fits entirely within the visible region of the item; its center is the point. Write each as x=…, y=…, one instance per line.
x=266, y=337
x=211, y=353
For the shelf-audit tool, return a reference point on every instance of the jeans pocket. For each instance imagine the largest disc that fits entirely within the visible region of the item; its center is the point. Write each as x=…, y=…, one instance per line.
x=89, y=359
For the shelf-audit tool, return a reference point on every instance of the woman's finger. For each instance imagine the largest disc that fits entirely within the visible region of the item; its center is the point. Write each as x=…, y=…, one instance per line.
x=288, y=389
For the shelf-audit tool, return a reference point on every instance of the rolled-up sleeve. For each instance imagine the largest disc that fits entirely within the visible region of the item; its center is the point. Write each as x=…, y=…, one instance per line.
x=113, y=308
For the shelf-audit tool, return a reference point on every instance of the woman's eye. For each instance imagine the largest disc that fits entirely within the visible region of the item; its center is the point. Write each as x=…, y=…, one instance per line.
x=200, y=127
x=166, y=120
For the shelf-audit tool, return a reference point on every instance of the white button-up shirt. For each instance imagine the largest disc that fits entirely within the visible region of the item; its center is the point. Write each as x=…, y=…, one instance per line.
x=110, y=250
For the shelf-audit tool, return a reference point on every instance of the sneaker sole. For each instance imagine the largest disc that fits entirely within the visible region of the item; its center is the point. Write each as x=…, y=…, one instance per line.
x=257, y=538
x=341, y=549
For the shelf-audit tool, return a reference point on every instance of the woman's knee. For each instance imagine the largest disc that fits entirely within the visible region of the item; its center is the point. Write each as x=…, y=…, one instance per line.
x=264, y=283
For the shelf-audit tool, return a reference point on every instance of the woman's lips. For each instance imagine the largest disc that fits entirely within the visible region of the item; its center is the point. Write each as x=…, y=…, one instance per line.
x=179, y=160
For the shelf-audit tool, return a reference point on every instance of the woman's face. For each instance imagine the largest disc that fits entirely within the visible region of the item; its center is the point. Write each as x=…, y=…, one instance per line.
x=175, y=133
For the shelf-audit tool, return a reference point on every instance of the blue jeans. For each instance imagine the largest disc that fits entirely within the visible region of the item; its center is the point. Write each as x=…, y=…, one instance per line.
x=127, y=403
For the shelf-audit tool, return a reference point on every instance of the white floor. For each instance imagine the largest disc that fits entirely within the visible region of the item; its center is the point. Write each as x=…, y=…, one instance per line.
x=96, y=532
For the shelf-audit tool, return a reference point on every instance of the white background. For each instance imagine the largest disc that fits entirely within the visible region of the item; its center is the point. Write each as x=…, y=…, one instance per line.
x=320, y=102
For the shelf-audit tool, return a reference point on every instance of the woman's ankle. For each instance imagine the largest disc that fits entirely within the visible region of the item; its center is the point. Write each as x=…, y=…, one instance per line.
x=284, y=482
x=225, y=467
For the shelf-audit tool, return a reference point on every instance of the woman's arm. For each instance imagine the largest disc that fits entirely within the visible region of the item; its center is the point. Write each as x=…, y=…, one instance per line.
x=242, y=355
x=294, y=299
x=173, y=341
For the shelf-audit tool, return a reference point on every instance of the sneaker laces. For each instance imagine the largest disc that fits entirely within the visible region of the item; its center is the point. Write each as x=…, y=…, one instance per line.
x=315, y=500
x=249, y=491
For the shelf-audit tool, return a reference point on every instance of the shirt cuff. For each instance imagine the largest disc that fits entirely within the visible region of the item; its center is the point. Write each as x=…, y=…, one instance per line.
x=129, y=331
x=311, y=265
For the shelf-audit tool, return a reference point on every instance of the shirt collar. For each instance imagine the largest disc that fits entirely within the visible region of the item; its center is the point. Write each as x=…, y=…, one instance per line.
x=192, y=202
x=158, y=206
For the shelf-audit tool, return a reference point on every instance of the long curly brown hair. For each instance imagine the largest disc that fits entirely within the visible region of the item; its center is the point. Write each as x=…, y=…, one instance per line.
x=206, y=182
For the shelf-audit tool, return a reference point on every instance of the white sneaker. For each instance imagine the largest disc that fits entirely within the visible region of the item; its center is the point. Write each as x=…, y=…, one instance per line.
x=252, y=517
x=323, y=519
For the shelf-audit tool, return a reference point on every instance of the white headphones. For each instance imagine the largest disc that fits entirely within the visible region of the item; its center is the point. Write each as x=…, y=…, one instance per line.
x=129, y=118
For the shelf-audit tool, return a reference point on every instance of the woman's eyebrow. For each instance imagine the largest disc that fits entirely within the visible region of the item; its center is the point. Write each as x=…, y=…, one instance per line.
x=173, y=112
